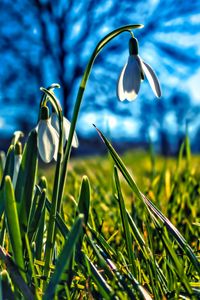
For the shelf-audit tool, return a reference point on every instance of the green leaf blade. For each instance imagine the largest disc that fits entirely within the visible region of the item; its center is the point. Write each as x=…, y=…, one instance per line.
x=64, y=258
x=13, y=225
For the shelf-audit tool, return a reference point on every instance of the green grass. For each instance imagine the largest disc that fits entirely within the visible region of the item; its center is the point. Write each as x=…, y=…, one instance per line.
x=111, y=241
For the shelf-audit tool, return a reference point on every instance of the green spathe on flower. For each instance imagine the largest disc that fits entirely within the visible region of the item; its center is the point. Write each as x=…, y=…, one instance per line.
x=133, y=73
x=47, y=138
x=66, y=129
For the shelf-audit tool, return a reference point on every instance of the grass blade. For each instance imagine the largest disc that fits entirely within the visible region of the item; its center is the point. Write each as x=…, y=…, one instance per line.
x=13, y=225
x=84, y=205
x=2, y=164
x=125, y=224
x=101, y=240
x=105, y=290
x=33, y=225
x=6, y=291
x=1, y=203
x=174, y=231
x=26, y=179
x=15, y=274
x=155, y=211
x=59, y=221
x=178, y=268
x=32, y=267
x=8, y=170
x=84, y=199
x=9, y=165
x=62, y=263
x=39, y=239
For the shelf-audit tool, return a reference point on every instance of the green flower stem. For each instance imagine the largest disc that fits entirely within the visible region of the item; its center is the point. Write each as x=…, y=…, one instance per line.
x=79, y=98
x=45, y=96
x=52, y=217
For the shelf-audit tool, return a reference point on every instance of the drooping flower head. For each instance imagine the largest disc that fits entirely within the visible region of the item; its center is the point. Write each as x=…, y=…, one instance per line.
x=133, y=73
x=48, y=134
x=48, y=137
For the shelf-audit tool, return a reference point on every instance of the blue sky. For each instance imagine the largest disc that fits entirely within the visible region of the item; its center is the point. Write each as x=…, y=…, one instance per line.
x=34, y=53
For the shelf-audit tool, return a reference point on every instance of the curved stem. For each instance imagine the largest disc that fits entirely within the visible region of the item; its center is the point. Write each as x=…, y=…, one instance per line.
x=54, y=203
x=44, y=96
x=55, y=103
x=79, y=98
x=51, y=87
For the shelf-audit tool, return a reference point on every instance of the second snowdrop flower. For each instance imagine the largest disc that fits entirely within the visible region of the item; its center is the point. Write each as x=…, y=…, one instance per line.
x=48, y=137
x=133, y=73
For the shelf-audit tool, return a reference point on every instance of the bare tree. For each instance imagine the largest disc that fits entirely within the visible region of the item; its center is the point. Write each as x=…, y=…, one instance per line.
x=45, y=41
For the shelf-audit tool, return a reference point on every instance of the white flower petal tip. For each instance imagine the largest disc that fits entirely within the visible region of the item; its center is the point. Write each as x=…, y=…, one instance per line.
x=129, y=80
x=66, y=128
x=48, y=140
x=152, y=78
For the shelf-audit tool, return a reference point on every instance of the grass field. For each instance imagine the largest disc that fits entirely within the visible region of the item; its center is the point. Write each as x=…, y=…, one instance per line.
x=113, y=235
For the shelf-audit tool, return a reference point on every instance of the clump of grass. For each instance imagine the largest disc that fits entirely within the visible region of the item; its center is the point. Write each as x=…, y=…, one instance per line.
x=102, y=249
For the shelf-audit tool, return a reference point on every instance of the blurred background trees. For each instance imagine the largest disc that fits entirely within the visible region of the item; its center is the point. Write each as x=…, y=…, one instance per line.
x=43, y=41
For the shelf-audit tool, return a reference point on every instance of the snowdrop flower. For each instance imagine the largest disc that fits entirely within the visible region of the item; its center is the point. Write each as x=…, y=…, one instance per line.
x=66, y=128
x=133, y=73
x=47, y=138
x=17, y=162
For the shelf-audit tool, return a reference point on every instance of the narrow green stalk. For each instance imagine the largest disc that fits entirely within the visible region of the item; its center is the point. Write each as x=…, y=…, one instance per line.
x=79, y=98
x=45, y=99
x=52, y=217
x=15, y=275
x=64, y=258
x=125, y=224
x=105, y=289
x=13, y=226
x=60, y=174
x=32, y=267
x=52, y=220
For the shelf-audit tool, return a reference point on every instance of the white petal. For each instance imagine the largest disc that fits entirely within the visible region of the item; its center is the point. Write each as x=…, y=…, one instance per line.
x=152, y=78
x=47, y=140
x=129, y=80
x=120, y=89
x=17, y=163
x=66, y=128
x=140, y=66
x=54, y=121
x=56, y=149
x=55, y=125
